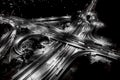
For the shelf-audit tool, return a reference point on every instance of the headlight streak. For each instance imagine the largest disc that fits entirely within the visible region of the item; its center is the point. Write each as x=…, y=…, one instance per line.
x=61, y=65
x=4, y=48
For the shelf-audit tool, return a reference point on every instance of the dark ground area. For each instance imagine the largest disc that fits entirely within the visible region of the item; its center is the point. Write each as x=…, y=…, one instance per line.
x=82, y=69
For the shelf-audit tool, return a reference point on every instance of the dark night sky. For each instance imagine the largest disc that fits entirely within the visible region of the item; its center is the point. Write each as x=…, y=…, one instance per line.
x=107, y=11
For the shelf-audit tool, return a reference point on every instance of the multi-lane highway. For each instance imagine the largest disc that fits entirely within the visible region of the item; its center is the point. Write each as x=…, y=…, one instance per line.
x=49, y=65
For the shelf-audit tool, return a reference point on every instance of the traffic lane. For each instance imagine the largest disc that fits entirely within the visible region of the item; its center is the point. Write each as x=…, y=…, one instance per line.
x=52, y=67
